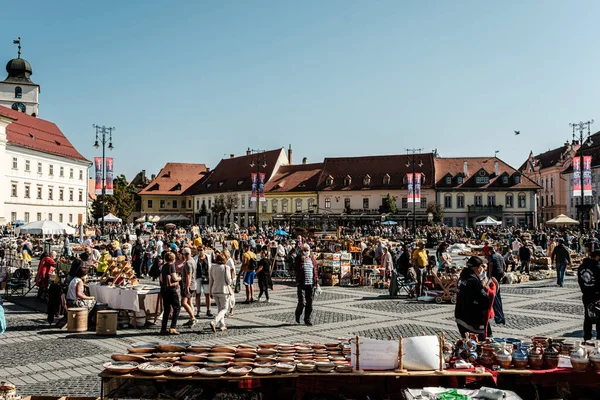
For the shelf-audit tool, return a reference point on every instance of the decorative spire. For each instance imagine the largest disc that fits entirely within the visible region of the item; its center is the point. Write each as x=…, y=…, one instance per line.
x=18, y=41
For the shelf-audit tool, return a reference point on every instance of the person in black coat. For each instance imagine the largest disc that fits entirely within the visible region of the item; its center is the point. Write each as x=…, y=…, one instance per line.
x=588, y=276
x=137, y=258
x=474, y=300
x=263, y=273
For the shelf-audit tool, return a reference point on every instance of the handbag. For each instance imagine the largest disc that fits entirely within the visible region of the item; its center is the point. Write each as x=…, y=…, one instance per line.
x=593, y=311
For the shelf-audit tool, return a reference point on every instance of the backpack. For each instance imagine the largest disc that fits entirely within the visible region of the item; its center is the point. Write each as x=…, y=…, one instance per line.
x=154, y=272
x=252, y=265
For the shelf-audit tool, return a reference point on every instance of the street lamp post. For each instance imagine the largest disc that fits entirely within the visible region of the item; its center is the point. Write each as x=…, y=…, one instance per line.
x=580, y=126
x=256, y=162
x=412, y=160
x=101, y=138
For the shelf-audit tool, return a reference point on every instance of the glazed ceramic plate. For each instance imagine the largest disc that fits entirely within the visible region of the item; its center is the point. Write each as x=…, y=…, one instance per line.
x=168, y=348
x=285, y=368
x=317, y=346
x=245, y=354
x=152, y=345
x=189, y=364
x=213, y=364
x=343, y=368
x=219, y=359
x=136, y=350
x=239, y=371
x=212, y=371
x=267, y=351
x=120, y=367
x=193, y=358
x=128, y=357
x=242, y=359
x=305, y=367
x=263, y=371
x=165, y=359
x=245, y=346
x=155, y=368
x=337, y=358
x=198, y=349
x=242, y=364
x=265, y=364
x=185, y=370
x=285, y=359
x=332, y=344
x=167, y=354
x=267, y=345
x=304, y=350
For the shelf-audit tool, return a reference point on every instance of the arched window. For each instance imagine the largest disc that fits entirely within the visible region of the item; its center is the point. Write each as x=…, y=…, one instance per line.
x=18, y=92
x=460, y=200
x=367, y=180
x=386, y=179
x=551, y=182
x=447, y=200
x=274, y=205
x=284, y=206
x=347, y=180
x=478, y=200
x=510, y=200
x=311, y=204
x=491, y=199
x=298, y=205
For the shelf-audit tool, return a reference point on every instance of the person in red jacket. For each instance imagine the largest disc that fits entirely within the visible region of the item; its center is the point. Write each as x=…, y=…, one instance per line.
x=46, y=267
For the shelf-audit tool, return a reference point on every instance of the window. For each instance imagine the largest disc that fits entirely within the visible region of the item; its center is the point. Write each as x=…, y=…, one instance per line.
x=542, y=201
x=49, y=216
x=209, y=203
x=163, y=205
x=18, y=92
x=404, y=202
x=447, y=200
x=571, y=202
x=149, y=204
x=80, y=175
x=386, y=179
x=367, y=180
x=460, y=200
x=182, y=203
x=347, y=202
x=27, y=166
x=423, y=202
x=491, y=199
x=70, y=194
x=263, y=206
x=298, y=205
x=71, y=172
x=505, y=180
x=70, y=218
x=50, y=193
x=61, y=194
x=547, y=203
x=448, y=180
x=329, y=181
x=551, y=182
x=243, y=201
x=510, y=200
x=274, y=205
x=39, y=168
x=13, y=216
x=51, y=170
x=15, y=163
x=27, y=191
x=478, y=199
x=311, y=204
x=60, y=217
x=366, y=203
x=482, y=180
x=80, y=195
x=522, y=200
x=174, y=204
x=189, y=204
x=327, y=203
x=13, y=191
x=39, y=192
x=62, y=172
x=284, y=206
x=518, y=180
x=544, y=186
x=39, y=216
x=347, y=180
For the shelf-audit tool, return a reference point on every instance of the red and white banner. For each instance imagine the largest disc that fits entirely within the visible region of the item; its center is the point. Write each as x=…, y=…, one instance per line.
x=409, y=181
x=98, y=168
x=417, y=187
x=414, y=187
x=587, y=176
x=109, y=175
x=261, y=187
x=576, y=177
x=254, y=187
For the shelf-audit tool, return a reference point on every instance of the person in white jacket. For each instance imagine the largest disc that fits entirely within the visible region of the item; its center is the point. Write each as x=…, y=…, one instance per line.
x=231, y=265
x=220, y=289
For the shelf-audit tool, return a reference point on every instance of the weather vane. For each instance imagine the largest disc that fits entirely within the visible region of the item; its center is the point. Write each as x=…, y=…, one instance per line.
x=18, y=41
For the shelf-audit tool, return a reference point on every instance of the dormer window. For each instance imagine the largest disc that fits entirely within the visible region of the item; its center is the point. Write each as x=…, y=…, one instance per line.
x=505, y=180
x=177, y=187
x=329, y=181
x=448, y=180
x=459, y=180
x=482, y=178
x=517, y=179
x=367, y=180
x=386, y=179
x=347, y=180
x=208, y=185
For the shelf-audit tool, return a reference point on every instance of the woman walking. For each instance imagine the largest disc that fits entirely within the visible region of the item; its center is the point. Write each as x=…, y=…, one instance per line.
x=169, y=282
x=220, y=290
x=231, y=265
x=263, y=273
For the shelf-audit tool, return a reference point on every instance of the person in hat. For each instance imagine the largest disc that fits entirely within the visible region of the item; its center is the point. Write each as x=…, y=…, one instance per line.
x=475, y=299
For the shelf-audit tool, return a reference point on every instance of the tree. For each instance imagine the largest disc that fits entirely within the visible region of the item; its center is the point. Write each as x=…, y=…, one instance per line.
x=203, y=211
x=437, y=211
x=389, y=205
x=219, y=205
x=231, y=201
x=121, y=203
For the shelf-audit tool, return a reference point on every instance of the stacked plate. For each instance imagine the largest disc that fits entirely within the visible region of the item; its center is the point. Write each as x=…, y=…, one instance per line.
x=325, y=366
x=285, y=368
x=155, y=368
x=121, y=367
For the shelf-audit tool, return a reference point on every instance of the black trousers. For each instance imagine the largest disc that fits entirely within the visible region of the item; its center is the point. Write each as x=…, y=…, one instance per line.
x=305, y=300
x=170, y=299
x=481, y=337
x=587, y=322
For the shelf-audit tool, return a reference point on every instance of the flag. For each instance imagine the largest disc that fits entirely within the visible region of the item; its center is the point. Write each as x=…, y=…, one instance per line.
x=409, y=181
x=253, y=195
x=261, y=187
x=109, y=175
x=576, y=177
x=98, y=168
x=587, y=176
x=417, y=179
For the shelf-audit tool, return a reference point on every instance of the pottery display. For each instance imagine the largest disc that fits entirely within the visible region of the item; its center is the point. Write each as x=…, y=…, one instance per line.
x=579, y=358
x=594, y=356
x=552, y=354
x=486, y=357
x=520, y=356
x=536, y=357
x=504, y=356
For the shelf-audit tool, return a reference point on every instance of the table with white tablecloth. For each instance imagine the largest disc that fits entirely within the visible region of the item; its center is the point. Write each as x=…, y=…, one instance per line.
x=142, y=302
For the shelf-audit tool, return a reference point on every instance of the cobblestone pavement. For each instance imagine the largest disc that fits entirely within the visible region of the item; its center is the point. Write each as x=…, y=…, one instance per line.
x=46, y=361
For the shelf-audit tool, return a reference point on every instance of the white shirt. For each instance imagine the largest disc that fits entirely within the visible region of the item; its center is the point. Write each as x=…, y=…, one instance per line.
x=231, y=265
x=72, y=292
x=159, y=247
x=516, y=245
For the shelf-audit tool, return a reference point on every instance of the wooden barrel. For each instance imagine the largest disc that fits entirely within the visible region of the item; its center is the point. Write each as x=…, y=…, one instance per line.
x=106, y=322
x=77, y=319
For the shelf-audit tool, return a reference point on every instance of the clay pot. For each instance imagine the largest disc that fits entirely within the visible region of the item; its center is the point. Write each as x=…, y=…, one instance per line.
x=487, y=356
x=536, y=357
x=552, y=354
x=580, y=366
x=504, y=356
x=519, y=356
x=541, y=340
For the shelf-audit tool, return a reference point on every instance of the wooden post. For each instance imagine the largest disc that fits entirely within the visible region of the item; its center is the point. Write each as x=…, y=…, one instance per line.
x=400, y=355
x=442, y=341
x=358, y=353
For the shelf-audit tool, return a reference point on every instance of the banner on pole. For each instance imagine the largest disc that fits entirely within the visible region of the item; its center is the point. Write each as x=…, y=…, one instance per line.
x=587, y=176
x=417, y=194
x=409, y=181
x=261, y=187
x=109, y=175
x=254, y=187
x=98, y=168
x=576, y=177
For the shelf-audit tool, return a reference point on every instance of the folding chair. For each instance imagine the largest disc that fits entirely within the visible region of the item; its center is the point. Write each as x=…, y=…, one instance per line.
x=399, y=286
x=19, y=282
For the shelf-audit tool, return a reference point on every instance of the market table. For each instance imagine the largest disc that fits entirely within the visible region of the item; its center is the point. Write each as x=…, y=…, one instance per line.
x=135, y=300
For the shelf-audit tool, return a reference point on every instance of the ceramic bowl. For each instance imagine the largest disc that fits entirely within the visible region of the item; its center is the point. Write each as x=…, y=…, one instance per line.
x=155, y=368
x=128, y=357
x=213, y=372
x=182, y=370
x=120, y=367
x=239, y=370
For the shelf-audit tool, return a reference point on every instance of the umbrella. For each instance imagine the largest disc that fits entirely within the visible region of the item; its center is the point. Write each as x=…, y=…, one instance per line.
x=46, y=227
x=281, y=232
x=389, y=223
x=111, y=218
x=147, y=223
x=562, y=219
x=488, y=221
x=170, y=226
x=141, y=219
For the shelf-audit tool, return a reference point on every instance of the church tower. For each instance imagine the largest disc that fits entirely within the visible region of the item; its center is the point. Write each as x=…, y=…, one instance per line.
x=17, y=91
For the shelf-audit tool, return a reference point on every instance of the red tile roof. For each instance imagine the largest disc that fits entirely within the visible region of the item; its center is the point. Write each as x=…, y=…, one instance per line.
x=376, y=167
x=233, y=174
x=175, y=179
x=455, y=167
x=295, y=178
x=38, y=134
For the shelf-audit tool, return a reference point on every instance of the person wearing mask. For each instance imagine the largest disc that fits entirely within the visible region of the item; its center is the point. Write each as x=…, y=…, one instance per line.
x=188, y=274
x=202, y=277
x=75, y=295
x=496, y=269
x=525, y=258
x=419, y=261
x=263, y=274
x=219, y=287
x=169, y=283
x=588, y=277
x=561, y=257
x=474, y=300
x=307, y=278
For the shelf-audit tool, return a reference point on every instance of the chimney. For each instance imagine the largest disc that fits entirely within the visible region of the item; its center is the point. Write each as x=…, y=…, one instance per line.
x=496, y=168
x=143, y=176
x=290, y=154
x=152, y=177
x=207, y=170
x=231, y=155
x=304, y=160
x=466, y=168
x=248, y=152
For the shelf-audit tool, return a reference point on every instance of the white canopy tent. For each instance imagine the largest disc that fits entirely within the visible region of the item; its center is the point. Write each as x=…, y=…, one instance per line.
x=45, y=227
x=488, y=221
x=111, y=218
x=562, y=219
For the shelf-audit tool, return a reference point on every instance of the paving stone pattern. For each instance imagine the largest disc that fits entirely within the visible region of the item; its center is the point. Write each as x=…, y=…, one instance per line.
x=45, y=361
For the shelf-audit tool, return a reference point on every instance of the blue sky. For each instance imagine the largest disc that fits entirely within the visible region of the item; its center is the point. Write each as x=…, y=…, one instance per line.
x=193, y=81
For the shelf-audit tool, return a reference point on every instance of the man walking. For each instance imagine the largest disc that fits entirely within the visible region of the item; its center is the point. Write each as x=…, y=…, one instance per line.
x=307, y=279
x=561, y=258
x=588, y=276
x=525, y=258
x=419, y=262
x=387, y=263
